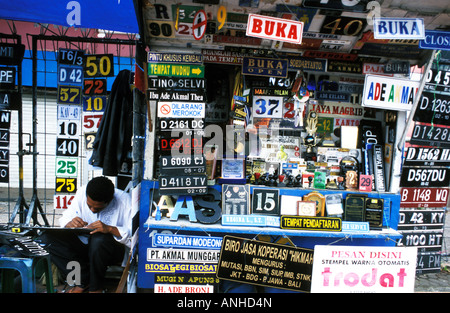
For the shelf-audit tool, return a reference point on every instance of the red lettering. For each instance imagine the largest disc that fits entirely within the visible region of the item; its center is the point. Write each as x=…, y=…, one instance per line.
x=257, y=25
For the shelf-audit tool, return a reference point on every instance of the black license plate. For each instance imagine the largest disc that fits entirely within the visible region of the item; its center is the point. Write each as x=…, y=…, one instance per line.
x=433, y=107
x=419, y=156
x=430, y=135
x=174, y=165
x=183, y=185
x=424, y=177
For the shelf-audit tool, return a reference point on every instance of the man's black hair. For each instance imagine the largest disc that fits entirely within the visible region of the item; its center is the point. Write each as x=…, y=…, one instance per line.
x=100, y=189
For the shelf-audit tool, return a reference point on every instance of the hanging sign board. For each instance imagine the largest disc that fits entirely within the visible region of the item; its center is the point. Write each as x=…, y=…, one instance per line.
x=438, y=78
x=173, y=82
x=389, y=93
x=430, y=135
x=181, y=109
x=421, y=219
x=435, y=40
x=183, y=185
x=342, y=5
x=199, y=25
x=273, y=28
x=422, y=156
x=176, y=70
x=433, y=107
x=265, y=67
x=174, y=165
x=345, y=269
x=423, y=197
x=425, y=177
x=426, y=241
x=7, y=77
x=191, y=58
x=11, y=54
x=398, y=28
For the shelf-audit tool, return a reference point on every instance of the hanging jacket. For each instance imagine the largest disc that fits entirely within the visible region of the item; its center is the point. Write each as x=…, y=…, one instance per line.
x=113, y=139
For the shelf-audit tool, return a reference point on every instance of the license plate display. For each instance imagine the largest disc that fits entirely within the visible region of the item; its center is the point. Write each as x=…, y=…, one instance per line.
x=168, y=124
x=174, y=165
x=433, y=107
x=424, y=197
x=424, y=177
x=186, y=185
x=419, y=156
x=185, y=145
x=430, y=135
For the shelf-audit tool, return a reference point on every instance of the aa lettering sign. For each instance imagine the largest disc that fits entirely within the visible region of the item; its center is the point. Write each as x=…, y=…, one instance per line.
x=344, y=269
x=267, y=264
x=267, y=27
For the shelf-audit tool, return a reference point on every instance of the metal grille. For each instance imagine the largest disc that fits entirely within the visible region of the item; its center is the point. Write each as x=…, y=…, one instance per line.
x=49, y=140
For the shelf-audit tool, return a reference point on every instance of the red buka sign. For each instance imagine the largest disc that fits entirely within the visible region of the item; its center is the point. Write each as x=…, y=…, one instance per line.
x=273, y=28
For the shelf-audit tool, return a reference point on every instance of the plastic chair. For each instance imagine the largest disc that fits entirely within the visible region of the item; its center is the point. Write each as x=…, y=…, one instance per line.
x=27, y=267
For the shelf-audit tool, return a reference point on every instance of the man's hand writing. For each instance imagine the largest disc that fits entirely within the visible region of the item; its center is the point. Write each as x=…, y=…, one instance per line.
x=76, y=222
x=99, y=227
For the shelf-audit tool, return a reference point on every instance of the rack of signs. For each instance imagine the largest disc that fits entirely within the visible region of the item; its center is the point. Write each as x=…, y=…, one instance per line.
x=81, y=100
x=425, y=177
x=178, y=86
x=11, y=56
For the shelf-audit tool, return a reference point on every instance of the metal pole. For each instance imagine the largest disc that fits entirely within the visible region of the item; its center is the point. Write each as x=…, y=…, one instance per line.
x=401, y=143
x=35, y=203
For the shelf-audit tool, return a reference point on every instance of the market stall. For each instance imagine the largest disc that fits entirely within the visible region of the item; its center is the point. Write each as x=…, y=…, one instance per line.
x=275, y=123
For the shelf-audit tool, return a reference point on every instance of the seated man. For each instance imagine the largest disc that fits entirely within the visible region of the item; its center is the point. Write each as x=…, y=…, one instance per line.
x=105, y=210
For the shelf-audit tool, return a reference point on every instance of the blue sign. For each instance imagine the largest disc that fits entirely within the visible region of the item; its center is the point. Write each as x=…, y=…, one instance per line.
x=436, y=40
x=184, y=241
x=250, y=220
x=355, y=227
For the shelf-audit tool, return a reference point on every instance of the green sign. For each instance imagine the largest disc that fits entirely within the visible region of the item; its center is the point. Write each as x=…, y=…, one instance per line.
x=176, y=70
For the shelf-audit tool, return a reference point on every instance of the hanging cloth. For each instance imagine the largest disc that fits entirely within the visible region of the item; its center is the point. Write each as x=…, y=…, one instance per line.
x=112, y=142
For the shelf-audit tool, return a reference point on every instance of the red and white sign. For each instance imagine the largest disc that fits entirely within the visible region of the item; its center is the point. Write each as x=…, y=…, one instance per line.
x=375, y=68
x=273, y=28
x=345, y=269
x=424, y=197
x=199, y=25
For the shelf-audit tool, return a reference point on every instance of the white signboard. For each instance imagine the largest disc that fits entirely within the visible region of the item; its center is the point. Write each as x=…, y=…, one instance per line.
x=181, y=109
x=398, y=28
x=273, y=28
x=389, y=93
x=344, y=269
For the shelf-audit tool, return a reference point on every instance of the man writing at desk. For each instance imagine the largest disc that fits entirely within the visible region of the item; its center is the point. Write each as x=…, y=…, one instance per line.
x=106, y=211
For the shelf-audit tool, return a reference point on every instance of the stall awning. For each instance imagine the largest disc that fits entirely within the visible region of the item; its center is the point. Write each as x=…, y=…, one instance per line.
x=112, y=15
